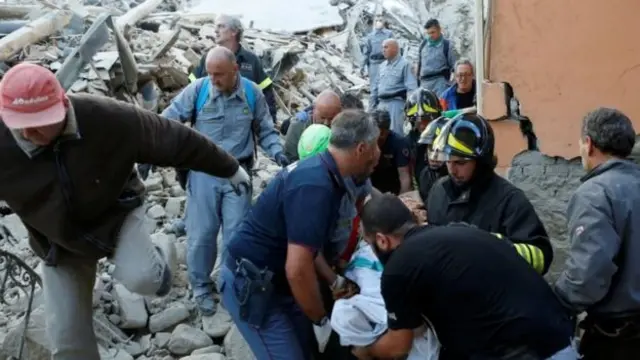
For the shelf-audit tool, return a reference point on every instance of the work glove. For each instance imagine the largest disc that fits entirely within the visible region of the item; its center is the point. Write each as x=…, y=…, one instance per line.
x=322, y=331
x=240, y=180
x=281, y=159
x=344, y=288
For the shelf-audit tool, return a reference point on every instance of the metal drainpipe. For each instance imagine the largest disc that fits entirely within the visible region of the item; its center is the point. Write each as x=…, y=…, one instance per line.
x=479, y=46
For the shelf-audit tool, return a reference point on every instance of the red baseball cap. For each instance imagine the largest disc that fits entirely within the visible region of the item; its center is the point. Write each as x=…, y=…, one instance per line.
x=31, y=96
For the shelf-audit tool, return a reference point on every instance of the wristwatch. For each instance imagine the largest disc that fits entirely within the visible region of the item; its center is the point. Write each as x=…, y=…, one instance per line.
x=322, y=322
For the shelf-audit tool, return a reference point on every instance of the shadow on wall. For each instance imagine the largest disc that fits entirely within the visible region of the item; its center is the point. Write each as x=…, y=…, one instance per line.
x=549, y=183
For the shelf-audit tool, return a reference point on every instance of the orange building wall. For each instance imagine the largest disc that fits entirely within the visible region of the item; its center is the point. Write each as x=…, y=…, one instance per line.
x=562, y=58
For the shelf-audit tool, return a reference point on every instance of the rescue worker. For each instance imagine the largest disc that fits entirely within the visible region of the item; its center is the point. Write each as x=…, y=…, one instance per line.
x=314, y=140
x=229, y=32
x=435, y=169
x=348, y=101
x=390, y=88
x=436, y=59
x=276, y=243
x=228, y=120
x=474, y=193
x=372, y=55
x=393, y=172
x=326, y=106
x=68, y=173
x=461, y=95
x=473, y=290
x=601, y=273
x=421, y=108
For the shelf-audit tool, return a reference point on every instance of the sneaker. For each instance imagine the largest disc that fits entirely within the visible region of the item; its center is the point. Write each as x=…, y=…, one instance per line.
x=206, y=304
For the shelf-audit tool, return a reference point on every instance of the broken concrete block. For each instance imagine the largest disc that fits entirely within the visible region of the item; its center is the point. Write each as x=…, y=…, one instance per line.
x=133, y=312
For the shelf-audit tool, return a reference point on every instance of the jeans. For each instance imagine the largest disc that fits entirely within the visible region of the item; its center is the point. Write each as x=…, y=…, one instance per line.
x=68, y=289
x=284, y=335
x=211, y=204
x=395, y=107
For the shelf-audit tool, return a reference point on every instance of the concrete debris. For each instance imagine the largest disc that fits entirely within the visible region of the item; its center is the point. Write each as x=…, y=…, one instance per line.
x=142, y=51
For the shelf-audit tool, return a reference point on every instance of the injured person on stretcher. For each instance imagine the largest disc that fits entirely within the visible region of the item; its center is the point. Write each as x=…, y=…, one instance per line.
x=362, y=318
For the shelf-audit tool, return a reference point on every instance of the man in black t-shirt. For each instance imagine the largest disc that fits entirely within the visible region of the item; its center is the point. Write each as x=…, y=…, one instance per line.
x=479, y=296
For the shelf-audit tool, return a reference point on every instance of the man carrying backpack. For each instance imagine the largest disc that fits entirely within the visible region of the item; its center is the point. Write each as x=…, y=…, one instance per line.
x=232, y=112
x=436, y=58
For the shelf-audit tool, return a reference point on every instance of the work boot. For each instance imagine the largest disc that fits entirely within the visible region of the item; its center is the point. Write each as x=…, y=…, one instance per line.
x=167, y=249
x=206, y=304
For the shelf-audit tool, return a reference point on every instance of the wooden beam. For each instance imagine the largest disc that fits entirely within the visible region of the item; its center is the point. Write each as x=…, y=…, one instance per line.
x=35, y=31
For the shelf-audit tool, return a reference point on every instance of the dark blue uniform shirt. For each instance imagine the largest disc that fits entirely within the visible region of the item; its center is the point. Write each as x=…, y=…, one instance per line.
x=394, y=154
x=300, y=205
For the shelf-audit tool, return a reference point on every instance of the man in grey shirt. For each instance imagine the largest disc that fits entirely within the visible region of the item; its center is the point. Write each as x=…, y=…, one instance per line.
x=601, y=273
x=390, y=88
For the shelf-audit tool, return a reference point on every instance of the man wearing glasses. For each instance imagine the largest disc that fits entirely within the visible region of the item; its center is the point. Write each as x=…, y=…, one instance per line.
x=461, y=96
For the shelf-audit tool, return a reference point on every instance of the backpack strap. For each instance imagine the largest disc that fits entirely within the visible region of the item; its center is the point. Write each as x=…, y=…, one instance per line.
x=446, y=45
x=250, y=97
x=202, y=94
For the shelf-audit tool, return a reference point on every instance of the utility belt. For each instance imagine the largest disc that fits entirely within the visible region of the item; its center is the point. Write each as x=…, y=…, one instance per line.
x=398, y=94
x=377, y=57
x=253, y=287
x=446, y=73
x=619, y=327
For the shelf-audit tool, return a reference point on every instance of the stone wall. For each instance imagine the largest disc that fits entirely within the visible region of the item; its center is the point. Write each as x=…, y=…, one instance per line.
x=549, y=183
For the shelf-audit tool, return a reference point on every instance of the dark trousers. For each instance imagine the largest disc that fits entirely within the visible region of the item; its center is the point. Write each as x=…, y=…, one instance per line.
x=595, y=345
x=333, y=351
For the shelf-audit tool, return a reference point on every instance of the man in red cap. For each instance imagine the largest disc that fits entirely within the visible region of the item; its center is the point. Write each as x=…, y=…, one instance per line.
x=68, y=171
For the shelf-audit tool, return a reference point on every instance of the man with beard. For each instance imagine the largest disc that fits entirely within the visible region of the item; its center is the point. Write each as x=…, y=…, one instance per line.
x=474, y=193
x=435, y=169
x=422, y=107
x=478, y=296
x=268, y=280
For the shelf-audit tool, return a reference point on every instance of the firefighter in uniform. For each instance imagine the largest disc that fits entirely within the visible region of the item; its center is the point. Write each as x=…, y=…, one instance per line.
x=475, y=194
x=422, y=107
x=435, y=169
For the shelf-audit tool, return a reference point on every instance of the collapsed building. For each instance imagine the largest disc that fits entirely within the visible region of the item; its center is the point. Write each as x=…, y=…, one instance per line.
x=142, y=51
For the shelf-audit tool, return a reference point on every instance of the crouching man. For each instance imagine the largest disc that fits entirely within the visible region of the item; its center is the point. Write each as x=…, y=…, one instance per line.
x=68, y=173
x=482, y=300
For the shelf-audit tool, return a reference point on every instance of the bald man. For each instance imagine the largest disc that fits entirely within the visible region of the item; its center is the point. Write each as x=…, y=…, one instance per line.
x=326, y=106
x=229, y=33
x=234, y=116
x=390, y=88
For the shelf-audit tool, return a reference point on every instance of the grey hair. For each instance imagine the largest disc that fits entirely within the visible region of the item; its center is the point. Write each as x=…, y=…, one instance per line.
x=234, y=24
x=610, y=130
x=220, y=51
x=464, y=61
x=352, y=127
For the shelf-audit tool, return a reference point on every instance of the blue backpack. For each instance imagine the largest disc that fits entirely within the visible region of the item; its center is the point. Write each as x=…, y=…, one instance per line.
x=250, y=97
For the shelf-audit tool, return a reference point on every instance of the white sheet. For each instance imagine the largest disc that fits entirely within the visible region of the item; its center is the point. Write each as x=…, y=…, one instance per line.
x=361, y=319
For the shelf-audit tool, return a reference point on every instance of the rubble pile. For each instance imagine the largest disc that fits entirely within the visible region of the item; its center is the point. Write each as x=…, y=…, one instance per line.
x=142, y=51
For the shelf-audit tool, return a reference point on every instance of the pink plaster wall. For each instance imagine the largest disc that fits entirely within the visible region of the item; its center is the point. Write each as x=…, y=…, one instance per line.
x=563, y=58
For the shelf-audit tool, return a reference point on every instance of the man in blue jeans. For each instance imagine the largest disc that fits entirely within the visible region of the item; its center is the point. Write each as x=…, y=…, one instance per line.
x=232, y=122
x=268, y=280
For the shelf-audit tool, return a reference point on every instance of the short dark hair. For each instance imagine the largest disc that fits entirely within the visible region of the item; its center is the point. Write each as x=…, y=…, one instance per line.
x=610, y=130
x=351, y=101
x=382, y=118
x=386, y=214
x=432, y=23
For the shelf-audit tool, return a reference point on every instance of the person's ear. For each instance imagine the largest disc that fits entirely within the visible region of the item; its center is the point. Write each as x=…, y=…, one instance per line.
x=588, y=144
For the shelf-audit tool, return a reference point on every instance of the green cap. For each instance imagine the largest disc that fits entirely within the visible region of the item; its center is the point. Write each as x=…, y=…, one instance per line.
x=314, y=140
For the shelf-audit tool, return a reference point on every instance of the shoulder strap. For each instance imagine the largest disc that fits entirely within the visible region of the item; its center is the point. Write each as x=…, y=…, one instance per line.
x=202, y=94
x=422, y=44
x=249, y=93
x=446, y=45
